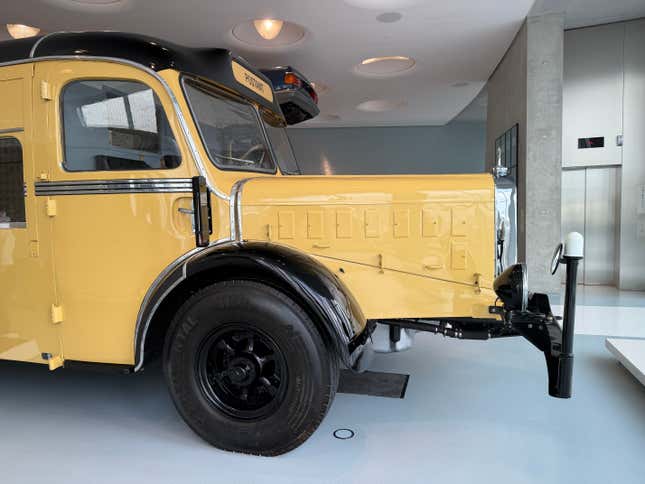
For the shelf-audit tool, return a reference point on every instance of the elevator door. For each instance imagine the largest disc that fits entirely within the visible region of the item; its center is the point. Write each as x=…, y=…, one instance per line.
x=590, y=206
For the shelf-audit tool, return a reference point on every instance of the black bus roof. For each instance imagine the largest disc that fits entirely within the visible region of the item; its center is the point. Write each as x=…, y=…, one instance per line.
x=155, y=54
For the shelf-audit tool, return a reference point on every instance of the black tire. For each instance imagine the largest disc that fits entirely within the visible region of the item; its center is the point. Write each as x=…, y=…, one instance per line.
x=219, y=385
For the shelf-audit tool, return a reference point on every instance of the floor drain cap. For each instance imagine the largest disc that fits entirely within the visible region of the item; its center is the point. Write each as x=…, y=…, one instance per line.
x=344, y=434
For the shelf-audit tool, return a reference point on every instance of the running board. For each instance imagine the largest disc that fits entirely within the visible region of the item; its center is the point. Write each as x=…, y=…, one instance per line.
x=373, y=383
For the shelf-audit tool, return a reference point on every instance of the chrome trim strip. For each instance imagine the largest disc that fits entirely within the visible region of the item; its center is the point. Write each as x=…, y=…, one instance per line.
x=201, y=167
x=183, y=259
x=35, y=46
x=525, y=287
x=173, y=99
x=235, y=208
x=119, y=180
x=112, y=191
x=13, y=225
x=11, y=130
x=86, y=187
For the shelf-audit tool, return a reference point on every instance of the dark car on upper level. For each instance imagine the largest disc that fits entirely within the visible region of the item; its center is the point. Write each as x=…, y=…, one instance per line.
x=295, y=94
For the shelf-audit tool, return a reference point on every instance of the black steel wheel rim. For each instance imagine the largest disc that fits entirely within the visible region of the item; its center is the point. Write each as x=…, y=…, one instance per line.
x=242, y=371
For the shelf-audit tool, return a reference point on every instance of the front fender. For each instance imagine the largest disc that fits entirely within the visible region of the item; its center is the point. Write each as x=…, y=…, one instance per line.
x=322, y=294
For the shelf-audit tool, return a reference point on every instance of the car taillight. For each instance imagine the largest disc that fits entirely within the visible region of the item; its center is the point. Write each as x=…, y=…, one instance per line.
x=292, y=79
x=313, y=95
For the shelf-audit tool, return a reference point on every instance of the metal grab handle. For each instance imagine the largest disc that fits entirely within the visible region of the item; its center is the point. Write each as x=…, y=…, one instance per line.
x=186, y=211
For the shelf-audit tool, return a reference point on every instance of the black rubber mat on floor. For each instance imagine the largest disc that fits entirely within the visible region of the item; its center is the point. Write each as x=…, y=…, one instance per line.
x=373, y=383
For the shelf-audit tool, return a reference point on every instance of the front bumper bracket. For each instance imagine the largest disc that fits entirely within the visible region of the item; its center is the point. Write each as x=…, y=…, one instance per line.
x=538, y=325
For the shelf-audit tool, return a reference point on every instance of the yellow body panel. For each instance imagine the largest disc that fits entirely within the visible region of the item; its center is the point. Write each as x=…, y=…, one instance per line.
x=406, y=246
x=73, y=281
x=26, y=271
x=109, y=249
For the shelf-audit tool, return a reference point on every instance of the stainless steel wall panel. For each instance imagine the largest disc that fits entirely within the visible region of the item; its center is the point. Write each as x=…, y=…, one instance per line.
x=632, y=237
x=601, y=224
x=573, y=209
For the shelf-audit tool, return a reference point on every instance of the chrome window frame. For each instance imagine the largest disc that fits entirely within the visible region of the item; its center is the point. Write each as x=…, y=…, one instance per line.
x=218, y=92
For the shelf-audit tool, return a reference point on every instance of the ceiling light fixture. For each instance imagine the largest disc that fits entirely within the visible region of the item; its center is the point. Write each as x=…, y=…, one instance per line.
x=20, y=31
x=372, y=60
x=268, y=33
x=268, y=28
x=385, y=66
x=380, y=105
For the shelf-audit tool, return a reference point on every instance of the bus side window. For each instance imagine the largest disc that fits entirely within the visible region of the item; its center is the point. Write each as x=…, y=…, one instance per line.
x=12, y=185
x=116, y=125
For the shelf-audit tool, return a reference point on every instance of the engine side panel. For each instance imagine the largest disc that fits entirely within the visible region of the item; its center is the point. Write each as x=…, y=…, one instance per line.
x=406, y=246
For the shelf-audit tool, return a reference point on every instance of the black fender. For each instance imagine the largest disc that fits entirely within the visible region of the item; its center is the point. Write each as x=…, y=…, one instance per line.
x=321, y=293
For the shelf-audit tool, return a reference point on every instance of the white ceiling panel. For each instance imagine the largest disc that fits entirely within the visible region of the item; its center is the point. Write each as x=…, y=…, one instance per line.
x=456, y=44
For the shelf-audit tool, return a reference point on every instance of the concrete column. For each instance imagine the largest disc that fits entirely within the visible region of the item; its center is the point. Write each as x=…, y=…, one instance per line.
x=545, y=48
x=526, y=88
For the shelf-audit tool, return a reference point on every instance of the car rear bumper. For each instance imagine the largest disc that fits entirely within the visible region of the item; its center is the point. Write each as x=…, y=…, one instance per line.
x=296, y=105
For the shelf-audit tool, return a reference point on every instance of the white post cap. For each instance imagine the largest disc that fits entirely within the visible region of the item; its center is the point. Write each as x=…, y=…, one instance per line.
x=574, y=245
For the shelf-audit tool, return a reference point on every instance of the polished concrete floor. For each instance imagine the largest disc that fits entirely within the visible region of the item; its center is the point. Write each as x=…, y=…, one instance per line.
x=474, y=412
x=603, y=296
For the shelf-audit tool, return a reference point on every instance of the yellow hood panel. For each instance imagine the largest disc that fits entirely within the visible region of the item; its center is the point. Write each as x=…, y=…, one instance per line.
x=435, y=231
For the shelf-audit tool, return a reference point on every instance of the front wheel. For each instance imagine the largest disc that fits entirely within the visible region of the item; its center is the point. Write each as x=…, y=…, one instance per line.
x=247, y=368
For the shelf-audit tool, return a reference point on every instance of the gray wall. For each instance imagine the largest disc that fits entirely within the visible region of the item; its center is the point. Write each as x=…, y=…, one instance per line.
x=507, y=107
x=526, y=88
x=454, y=148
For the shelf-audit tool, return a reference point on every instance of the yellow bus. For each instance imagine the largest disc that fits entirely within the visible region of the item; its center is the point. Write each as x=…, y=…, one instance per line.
x=148, y=210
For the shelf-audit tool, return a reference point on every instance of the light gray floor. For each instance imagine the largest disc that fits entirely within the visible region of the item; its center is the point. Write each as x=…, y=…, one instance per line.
x=475, y=412
x=602, y=296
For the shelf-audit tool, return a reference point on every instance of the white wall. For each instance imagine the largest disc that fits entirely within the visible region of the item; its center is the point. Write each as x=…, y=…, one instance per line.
x=454, y=148
x=593, y=94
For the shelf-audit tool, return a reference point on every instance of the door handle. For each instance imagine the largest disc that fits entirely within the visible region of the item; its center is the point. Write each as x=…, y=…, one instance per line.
x=186, y=211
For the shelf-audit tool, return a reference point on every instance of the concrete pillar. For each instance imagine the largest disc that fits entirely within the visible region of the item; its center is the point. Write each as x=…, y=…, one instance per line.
x=545, y=47
x=526, y=88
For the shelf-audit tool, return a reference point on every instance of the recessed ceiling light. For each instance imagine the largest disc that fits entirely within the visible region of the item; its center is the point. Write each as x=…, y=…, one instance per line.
x=20, y=31
x=380, y=105
x=384, y=66
x=389, y=17
x=268, y=28
x=382, y=4
x=268, y=32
